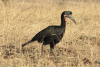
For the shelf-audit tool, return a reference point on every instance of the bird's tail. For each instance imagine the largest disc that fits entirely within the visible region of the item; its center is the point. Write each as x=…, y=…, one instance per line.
x=33, y=39
x=26, y=43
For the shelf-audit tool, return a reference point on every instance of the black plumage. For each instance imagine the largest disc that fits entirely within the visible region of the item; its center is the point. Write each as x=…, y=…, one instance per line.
x=52, y=34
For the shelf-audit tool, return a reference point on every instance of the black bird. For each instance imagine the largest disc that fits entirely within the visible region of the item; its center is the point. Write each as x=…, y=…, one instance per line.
x=52, y=34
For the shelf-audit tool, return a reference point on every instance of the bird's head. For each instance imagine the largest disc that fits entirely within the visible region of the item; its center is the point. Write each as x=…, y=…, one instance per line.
x=68, y=14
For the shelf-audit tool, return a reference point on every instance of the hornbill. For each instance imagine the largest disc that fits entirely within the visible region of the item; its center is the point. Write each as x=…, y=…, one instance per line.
x=52, y=34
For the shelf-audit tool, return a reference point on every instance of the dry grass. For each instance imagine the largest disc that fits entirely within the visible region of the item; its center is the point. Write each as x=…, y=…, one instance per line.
x=21, y=20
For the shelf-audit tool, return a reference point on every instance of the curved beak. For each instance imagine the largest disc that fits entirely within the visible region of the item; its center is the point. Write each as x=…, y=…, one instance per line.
x=71, y=17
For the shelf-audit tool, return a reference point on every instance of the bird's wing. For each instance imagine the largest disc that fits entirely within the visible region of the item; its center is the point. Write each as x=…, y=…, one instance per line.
x=49, y=31
x=40, y=36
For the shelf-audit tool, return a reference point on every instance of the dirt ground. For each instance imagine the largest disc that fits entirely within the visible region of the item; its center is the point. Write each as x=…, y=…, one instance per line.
x=21, y=20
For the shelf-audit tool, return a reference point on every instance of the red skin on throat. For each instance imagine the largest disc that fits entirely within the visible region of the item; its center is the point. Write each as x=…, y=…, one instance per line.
x=65, y=18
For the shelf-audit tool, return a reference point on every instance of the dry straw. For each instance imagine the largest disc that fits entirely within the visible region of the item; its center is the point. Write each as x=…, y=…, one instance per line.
x=21, y=20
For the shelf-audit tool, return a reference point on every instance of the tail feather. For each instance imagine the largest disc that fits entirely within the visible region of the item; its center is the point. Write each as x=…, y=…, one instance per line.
x=33, y=39
x=26, y=43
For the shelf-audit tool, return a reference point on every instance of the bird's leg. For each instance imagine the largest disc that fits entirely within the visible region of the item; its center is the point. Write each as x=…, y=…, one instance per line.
x=52, y=49
x=53, y=53
x=42, y=50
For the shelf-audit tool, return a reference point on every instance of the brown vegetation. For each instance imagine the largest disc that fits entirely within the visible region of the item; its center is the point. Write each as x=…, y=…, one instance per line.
x=23, y=19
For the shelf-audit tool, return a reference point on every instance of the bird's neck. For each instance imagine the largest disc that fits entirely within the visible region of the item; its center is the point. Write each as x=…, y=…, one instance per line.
x=63, y=21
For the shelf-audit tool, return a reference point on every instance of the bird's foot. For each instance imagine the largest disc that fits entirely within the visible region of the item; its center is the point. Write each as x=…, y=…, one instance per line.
x=41, y=54
x=52, y=53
